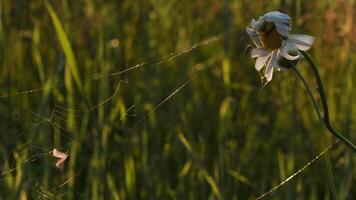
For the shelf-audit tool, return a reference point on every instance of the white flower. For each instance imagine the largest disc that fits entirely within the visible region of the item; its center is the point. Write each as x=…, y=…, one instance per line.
x=270, y=35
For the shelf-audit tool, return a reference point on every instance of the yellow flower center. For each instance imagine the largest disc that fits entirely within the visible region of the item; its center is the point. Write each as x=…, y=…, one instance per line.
x=269, y=36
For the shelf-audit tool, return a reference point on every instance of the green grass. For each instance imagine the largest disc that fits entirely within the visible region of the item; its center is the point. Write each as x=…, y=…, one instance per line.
x=221, y=136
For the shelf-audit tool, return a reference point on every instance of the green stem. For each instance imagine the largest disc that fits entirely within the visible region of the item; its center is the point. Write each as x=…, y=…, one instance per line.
x=323, y=139
x=324, y=103
x=309, y=93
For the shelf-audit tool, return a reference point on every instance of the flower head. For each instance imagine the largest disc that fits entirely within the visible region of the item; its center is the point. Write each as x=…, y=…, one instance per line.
x=63, y=157
x=270, y=35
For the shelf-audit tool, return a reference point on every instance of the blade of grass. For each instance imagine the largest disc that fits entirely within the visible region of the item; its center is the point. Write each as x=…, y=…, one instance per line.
x=65, y=44
x=213, y=184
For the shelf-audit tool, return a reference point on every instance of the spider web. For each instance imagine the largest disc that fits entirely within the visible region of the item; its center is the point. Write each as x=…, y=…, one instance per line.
x=59, y=116
x=56, y=120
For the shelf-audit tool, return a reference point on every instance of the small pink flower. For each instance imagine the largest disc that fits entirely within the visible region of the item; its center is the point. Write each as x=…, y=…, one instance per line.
x=62, y=158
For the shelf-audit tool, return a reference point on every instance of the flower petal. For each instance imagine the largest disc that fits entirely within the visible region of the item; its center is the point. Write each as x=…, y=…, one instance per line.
x=271, y=63
x=276, y=16
x=302, y=42
x=283, y=29
x=257, y=25
x=260, y=62
x=259, y=52
x=59, y=154
x=60, y=163
x=254, y=37
x=254, y=24
x=285, y=54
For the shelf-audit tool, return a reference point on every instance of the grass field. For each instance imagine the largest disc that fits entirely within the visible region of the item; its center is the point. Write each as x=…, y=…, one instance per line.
x=157, y=100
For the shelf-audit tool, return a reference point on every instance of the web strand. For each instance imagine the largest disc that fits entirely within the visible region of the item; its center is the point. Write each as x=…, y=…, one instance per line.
x=164, y=100
x=56, y=117
x=163, y=59
x=59, y=113
x=297, y=172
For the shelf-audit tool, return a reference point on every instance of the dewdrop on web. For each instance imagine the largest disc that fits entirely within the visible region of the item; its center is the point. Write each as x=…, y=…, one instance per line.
x=274, y=47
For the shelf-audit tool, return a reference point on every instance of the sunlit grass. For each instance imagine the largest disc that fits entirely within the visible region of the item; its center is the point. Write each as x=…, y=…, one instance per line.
x=219, y=137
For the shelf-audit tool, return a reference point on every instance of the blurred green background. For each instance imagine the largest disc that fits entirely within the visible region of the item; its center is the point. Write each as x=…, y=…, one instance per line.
x=221, y=136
